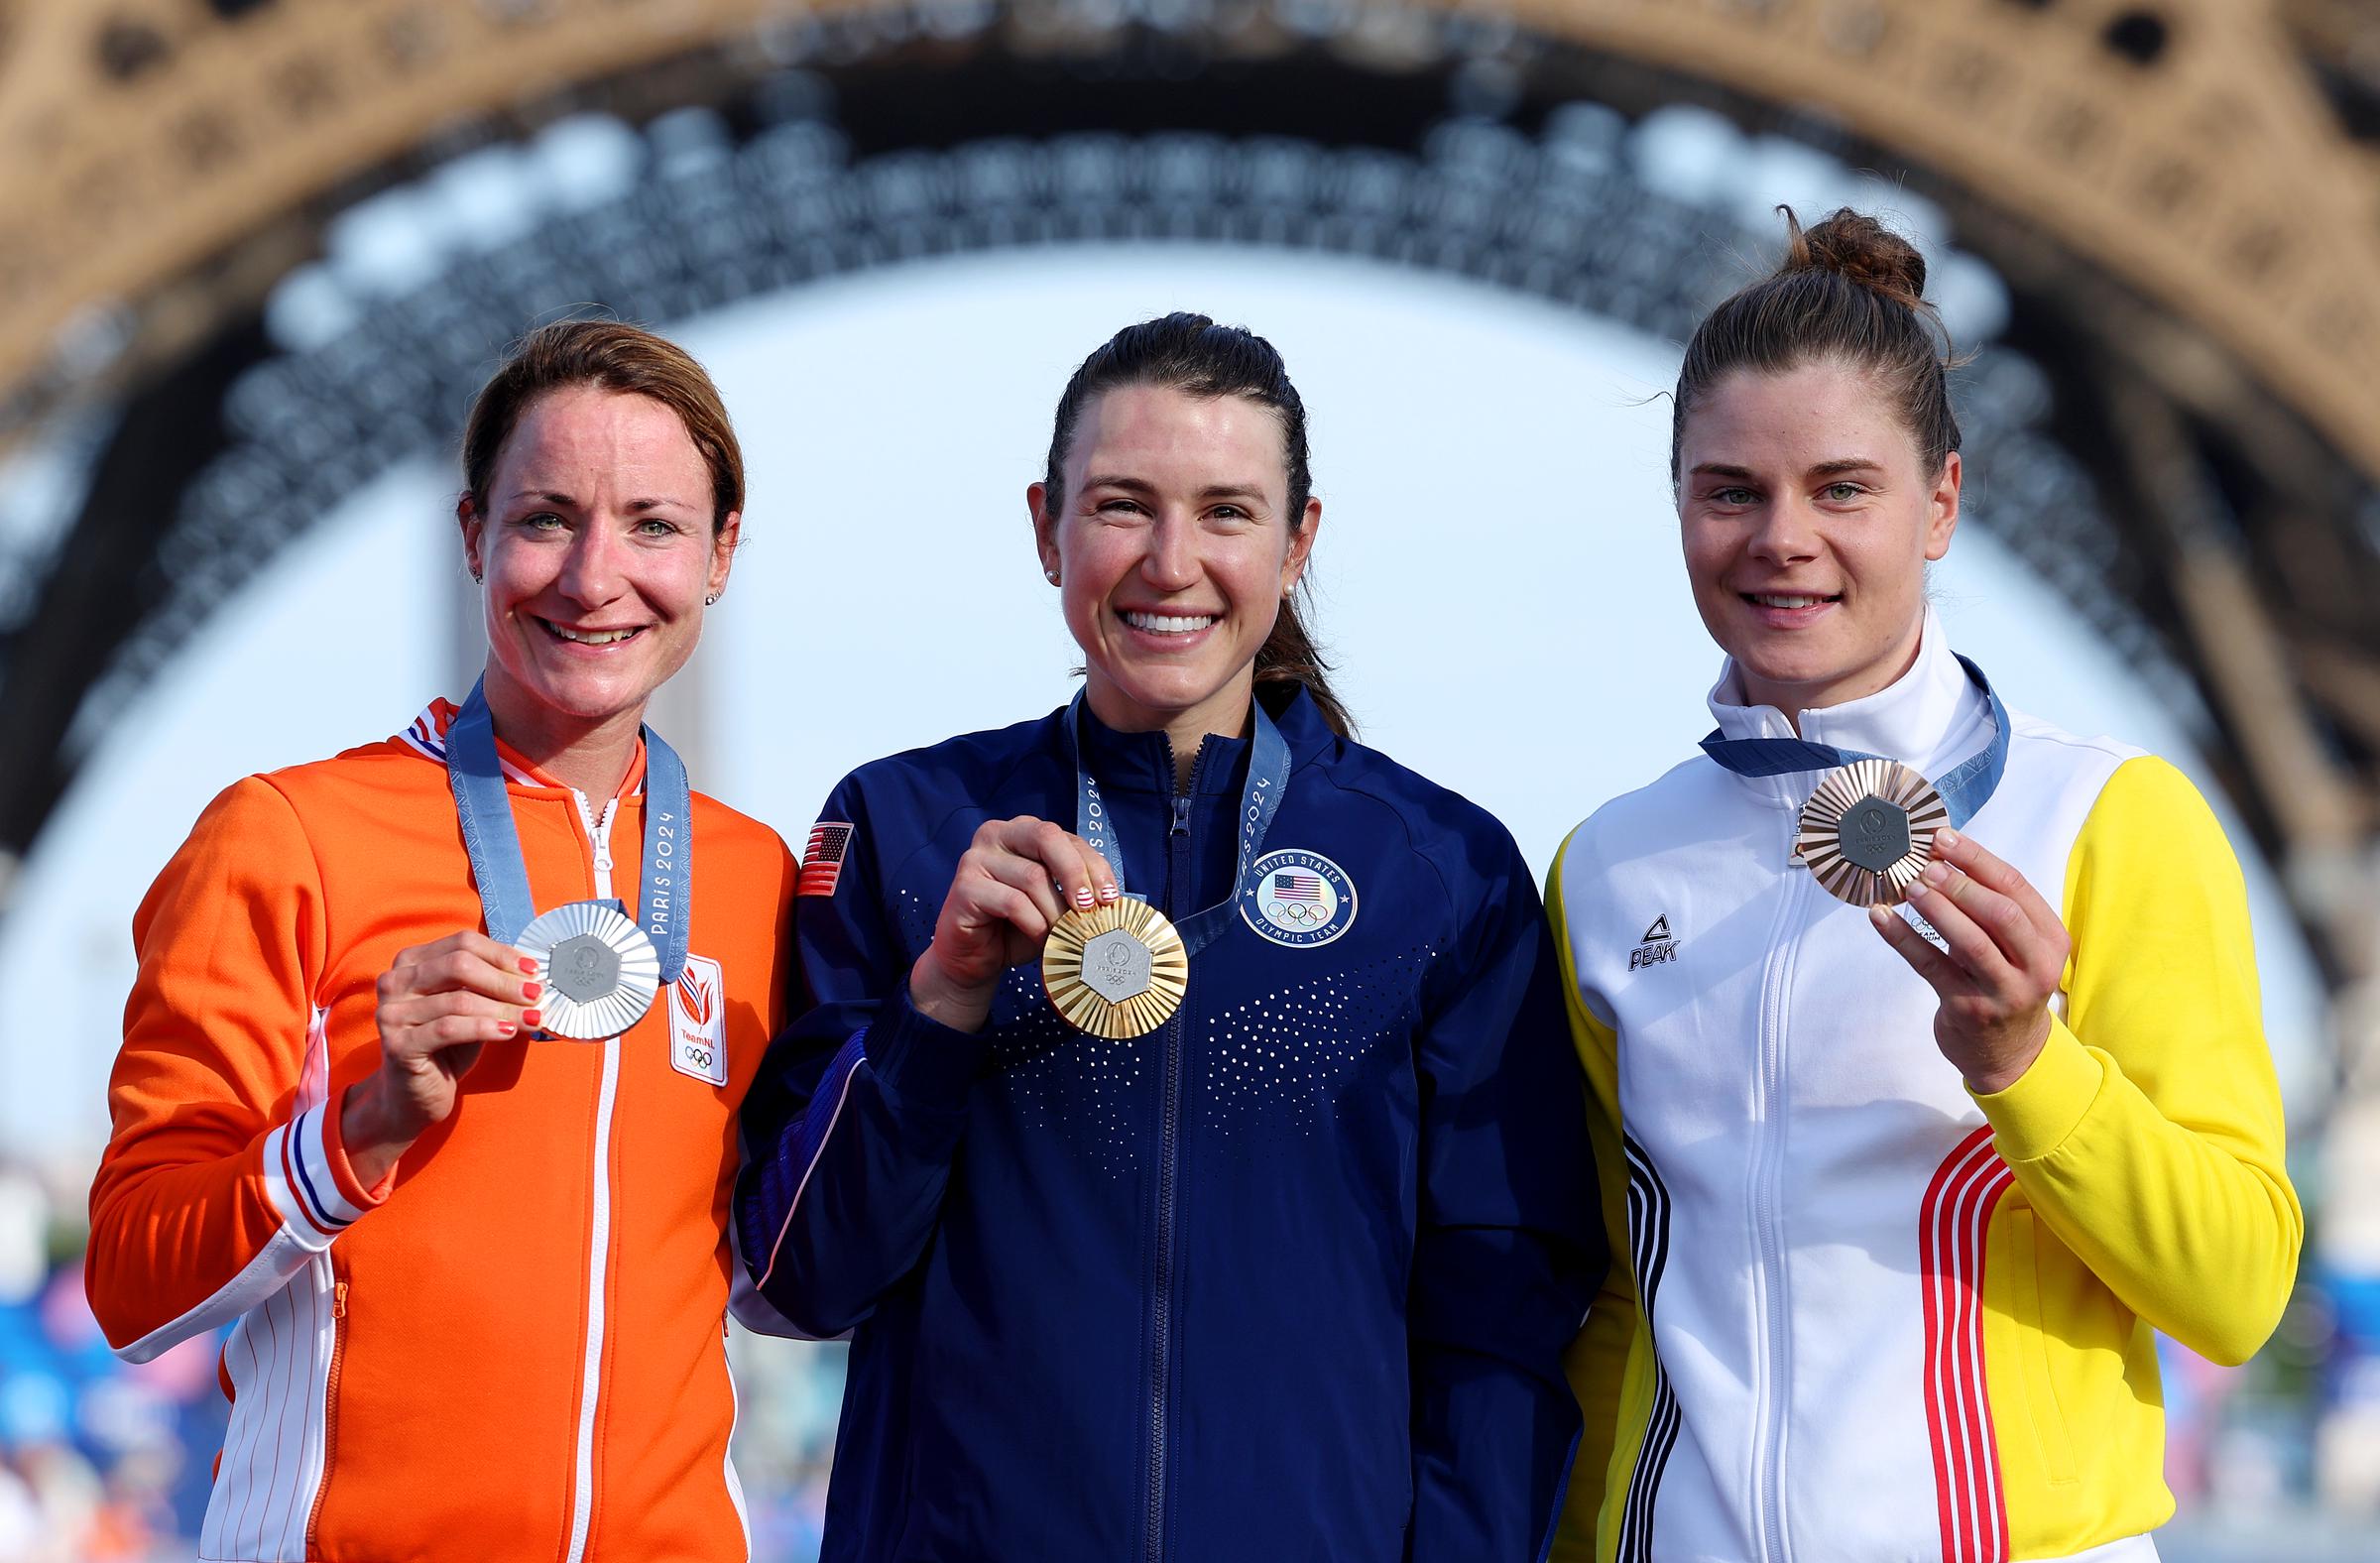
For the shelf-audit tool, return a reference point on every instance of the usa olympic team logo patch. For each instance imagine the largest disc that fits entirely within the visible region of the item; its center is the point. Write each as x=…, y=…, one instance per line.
x=1298, y=899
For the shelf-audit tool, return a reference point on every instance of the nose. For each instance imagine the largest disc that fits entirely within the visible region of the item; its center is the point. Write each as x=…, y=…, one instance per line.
x=1171, y=562
x=1783, y=534
x=591, y=573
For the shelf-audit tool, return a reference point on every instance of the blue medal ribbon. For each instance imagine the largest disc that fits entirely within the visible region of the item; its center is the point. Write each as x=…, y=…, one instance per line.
x=1964, y=791
x=1260, y=801
x=485, y=810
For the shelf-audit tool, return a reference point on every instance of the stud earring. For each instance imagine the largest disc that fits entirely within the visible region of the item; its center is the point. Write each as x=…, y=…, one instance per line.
x=1053, y=576
x=710, y=598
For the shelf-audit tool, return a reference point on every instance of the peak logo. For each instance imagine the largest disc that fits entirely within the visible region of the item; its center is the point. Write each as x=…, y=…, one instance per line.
x=1658, y=947
x=698, y=1021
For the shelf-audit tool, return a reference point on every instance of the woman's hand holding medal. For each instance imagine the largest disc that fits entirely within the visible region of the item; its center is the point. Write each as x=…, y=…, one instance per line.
x=1017, y=879
x=2007, y=953
x=439, y=1004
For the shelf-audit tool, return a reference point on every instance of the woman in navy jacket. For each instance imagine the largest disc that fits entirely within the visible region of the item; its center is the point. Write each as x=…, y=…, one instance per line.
x=1289, y=1277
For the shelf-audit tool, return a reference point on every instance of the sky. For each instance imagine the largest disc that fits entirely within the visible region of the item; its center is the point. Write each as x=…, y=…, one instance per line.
x=1497, y=572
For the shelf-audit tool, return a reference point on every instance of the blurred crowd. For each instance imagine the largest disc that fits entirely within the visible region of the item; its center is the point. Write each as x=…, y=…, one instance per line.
x=106, y=1462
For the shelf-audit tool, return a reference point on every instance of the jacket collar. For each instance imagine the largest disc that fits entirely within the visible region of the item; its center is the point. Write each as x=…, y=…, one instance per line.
x=1930, y=718
x=1143, y=762
x=425, y=736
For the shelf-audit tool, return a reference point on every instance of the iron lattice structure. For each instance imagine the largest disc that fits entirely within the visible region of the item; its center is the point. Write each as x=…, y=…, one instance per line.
x=2178, y=424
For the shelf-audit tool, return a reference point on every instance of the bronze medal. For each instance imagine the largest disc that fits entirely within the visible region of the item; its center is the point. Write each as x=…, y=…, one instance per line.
x=1867, y=831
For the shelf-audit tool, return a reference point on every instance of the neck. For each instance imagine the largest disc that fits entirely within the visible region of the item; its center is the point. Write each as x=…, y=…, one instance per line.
x=1793, y=698
x=591, y=755
x=1227, y=713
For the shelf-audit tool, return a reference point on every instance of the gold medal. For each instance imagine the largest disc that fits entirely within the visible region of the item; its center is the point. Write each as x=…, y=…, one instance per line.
x=1116, y=971
x=1867, y=831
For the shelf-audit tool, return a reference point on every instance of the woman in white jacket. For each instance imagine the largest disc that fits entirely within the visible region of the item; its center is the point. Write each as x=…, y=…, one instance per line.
x=1923, y=1038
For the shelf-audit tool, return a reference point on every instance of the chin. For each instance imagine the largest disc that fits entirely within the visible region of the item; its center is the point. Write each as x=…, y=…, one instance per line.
x=1164, y=691
x=588, y=700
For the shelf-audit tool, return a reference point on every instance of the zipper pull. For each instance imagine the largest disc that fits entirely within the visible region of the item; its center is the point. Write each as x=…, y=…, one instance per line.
x=1181, y=816
x=599, y=829
x=338, y=1300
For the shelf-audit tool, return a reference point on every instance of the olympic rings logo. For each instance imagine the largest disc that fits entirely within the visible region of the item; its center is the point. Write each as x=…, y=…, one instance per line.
x=1299, y=914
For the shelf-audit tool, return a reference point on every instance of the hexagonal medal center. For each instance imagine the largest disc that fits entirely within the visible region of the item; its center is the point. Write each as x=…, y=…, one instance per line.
x=1116, y=966
x=584, y=969
x=1875, y=833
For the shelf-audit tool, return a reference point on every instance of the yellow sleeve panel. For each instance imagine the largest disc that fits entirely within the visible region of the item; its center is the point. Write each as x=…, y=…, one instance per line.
x=2148, y=1134
x=1599, y=1360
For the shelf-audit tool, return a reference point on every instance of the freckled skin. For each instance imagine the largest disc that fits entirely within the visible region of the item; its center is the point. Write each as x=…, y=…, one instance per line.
x=1807, y=483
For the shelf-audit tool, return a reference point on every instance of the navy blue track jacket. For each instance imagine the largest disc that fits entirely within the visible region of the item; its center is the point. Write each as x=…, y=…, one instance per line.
x=1288, y=1278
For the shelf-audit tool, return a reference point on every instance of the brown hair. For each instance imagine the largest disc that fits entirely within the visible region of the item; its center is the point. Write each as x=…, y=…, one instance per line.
x=611, y=356
x=1190, y=353
x=1851, y=290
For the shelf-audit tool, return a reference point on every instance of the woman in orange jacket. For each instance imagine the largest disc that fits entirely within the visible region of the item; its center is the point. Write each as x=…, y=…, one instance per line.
x=475, y=1271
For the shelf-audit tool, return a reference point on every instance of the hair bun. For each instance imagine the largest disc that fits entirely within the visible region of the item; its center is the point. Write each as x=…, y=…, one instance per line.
x=1855, y=245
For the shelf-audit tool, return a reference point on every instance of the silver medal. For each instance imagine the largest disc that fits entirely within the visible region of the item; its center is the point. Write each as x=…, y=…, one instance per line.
x=599, y=969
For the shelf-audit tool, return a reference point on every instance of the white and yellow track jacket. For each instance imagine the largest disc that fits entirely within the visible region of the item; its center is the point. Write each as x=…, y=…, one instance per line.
x=1856, y=1312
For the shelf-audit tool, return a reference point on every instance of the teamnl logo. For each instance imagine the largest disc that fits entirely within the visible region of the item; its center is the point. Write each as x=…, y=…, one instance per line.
x=698, y=1021
x=1657, y=947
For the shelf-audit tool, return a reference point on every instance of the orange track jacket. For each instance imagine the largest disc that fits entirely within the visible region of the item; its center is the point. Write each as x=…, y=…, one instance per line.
x=515, y=1347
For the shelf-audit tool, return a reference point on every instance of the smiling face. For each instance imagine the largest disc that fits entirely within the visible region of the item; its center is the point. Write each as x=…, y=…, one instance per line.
x=1808, y=523
x=1173, y=551
x=596, y=550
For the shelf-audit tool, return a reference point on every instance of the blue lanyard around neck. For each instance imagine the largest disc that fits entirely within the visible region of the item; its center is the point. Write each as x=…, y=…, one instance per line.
x=1260, y=801
x=1964, y=790
x=485, y=810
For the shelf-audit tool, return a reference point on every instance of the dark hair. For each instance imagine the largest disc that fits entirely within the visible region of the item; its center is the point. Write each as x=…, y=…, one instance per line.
x=1848, y=288
x=1190, y=353
x=611, y=356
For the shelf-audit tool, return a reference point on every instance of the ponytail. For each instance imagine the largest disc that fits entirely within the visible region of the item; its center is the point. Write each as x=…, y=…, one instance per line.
x=1290, y=657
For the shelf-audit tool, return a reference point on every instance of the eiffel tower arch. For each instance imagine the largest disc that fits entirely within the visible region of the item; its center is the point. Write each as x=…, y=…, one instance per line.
x=2179, y=196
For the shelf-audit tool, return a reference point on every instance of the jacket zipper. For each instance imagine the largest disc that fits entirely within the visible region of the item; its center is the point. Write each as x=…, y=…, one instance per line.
x=1177, y=841
x=330, y=1403
x=582, y=1478
x=1768, y=1168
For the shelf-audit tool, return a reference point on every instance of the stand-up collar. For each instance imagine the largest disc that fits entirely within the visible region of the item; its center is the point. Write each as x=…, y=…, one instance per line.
x=1143, y=762
x=427, y=736
x=1930, y=718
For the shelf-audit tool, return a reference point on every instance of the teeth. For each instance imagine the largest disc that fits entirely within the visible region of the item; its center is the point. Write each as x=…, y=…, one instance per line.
x=1167, y=624
x=1767, y=601
x=589, y=637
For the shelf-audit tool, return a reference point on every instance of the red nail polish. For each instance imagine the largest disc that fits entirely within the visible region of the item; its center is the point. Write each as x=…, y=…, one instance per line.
x=531, y=1018
x=528, y=964
x=530, y=990
x=506, y=1028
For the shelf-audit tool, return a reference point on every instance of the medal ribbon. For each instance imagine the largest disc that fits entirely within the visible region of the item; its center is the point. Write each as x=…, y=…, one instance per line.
x=1964, y=789
x=1260, y=801
x=484, y=811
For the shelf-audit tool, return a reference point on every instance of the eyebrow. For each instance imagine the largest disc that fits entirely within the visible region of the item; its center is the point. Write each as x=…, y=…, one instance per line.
x=1825, y=470
x=1213, y=491
x=557, y=497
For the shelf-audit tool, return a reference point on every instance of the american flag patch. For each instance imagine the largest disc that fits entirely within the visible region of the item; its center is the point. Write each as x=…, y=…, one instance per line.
x=822, y=859
x=1297, y=887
